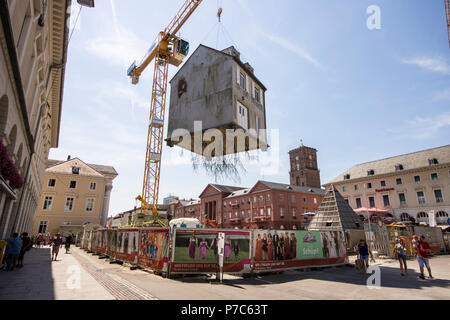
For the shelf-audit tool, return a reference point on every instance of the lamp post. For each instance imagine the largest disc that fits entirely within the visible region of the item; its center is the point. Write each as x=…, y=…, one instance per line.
x=86, y=3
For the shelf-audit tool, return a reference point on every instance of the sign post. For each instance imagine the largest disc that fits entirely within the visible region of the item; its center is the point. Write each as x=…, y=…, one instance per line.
x=220, y=250
x=432, y=218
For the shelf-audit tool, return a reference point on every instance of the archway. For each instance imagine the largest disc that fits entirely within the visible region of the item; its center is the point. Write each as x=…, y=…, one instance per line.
x=441, y=217
x=422, y=217
x=404, y=217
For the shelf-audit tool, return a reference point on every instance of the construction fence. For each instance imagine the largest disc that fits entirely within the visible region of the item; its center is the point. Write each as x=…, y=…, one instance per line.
x=196, y=251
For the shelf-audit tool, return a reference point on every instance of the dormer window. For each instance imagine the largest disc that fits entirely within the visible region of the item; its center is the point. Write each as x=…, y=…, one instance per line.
x=399, y=167
x=75, y=170
x=370, y=172
x=347, y=177
x=433, y=161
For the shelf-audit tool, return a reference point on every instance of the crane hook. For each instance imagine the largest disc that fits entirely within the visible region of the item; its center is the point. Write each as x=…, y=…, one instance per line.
x=219, y=13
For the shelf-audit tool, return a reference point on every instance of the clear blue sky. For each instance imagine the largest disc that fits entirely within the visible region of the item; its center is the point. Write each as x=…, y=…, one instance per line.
x=354, y=94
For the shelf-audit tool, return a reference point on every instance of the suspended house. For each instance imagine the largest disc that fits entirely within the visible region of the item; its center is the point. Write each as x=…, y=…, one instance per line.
x=218, y=89
x=334, y=214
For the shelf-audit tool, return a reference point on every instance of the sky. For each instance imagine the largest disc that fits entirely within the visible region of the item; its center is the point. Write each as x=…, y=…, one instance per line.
x=354, y=93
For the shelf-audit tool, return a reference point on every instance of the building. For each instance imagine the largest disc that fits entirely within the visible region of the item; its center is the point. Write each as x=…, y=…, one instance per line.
x=304, y=169
x=188, y=209
x=409, y=186
x=74, y=193
x=169, y=199
x=33, y=53
x=135, y=217
x=217, y=88
x=267, y=205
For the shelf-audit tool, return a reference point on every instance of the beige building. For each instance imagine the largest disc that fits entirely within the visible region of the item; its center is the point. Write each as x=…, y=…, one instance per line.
x=33, y=52
x=411, y=187
x=73, y=194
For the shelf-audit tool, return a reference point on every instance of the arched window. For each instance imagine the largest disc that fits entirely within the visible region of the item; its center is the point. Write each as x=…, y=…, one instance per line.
x=404, y=217
x=422, y=217
x=441, y=217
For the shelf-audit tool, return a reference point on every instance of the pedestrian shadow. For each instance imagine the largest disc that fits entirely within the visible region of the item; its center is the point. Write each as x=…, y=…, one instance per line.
x=32, y=282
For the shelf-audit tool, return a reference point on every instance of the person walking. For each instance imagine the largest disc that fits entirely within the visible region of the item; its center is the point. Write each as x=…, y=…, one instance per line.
x=27, y=243
x=400, y=249
x=68, y=242
x=363, y=250
x=14, y=244
x=423, y=248
x=56, y=244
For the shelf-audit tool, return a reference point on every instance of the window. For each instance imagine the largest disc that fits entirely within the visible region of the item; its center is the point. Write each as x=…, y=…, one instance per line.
x=293, y=198
x=304, y=199
x=281, y=197
x=294, y=212
x=254, y=212
x=402, y=198
x=383, y=183
x=434, y=176
x=358, y=203
x=347, y=177
x=268, y=197
x=399, y=181
x=386, y=201
x=422, y=215
x=344, y=189
x=433, y=161
x=369, y=185
x=248, y=213
x=404, y=217
x=281, y=212
x=356, y=187
x=90, y=204
x=243, y=213
x=438, y=196
x=48, y=200
x=75, y=170
x=399, y=167
x=257, y=94
x=92, y=186
x=51, y=182
x=254, y=199
x=73, y=184
x=269, y=211
x=315, y=200
x=69, y=204
x=417, y=179
x=372, y=202
x=370, y=172
x=261, y=198
x=242, y=80
x=43, y=226
x=420, y=197
x=261, y=212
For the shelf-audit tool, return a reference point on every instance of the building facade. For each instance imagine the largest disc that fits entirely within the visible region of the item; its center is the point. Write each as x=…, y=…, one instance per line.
x=304, y=169
x=267, y=205
x=410, y=187
x=73, y=194
x=33, y=53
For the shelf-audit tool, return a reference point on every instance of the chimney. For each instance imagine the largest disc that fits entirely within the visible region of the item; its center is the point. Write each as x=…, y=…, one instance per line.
x=68, y=157
x=232, y=52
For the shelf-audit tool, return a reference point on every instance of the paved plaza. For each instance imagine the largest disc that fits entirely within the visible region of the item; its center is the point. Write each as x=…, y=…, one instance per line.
x=82, y=276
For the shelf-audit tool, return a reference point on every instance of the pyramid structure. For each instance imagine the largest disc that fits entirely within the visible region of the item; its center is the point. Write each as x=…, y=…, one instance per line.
x=334, y=214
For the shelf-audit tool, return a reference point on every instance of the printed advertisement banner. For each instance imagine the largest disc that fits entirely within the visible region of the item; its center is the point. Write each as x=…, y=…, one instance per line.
x=154, y=248
x=284, y=249
x=127, y=245
x=196, y=251
x=99, y=241
x=111, y=240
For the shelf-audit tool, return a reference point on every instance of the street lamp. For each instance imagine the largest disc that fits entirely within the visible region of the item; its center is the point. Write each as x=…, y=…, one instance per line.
x=86, y=3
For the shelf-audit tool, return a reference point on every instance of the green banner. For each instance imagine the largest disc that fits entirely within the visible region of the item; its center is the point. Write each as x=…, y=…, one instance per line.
x=309, y=245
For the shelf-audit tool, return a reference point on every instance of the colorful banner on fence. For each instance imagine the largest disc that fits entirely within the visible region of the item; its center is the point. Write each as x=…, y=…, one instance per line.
x=127, y=245
x=196, y=251
x=154, y=249
x=111, y=240
x=99, y=241
x=284, y=249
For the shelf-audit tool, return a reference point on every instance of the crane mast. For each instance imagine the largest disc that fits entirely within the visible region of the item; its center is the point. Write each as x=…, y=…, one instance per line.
x=168, y=49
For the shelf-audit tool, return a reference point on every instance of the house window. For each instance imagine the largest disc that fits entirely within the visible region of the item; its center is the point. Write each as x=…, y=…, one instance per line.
x=344, y=189
x=315, y=200
x=254, y=199
x=242, y=80
x=399, y=181
x=383, y=183
x=73, y=184
x=257, y=94
x=51, y=182
x=304, y=199
x=294, y=212
x=356, y=187
x=433, y=161
x=269, y=211
x=372, y=202
x=90, y=204
x=402, y=198
x=369, y=185
x=248, y=214
x=358, y=202
x=438, y=196
x=281, y=197
x=386, y=201
x=346, y=201
x=48, y=200
x=69, y=204
x=370, y=172
x=434, y=176
x=254, y=212
x=75, y=170
x=293, y=198
x=261, y=212
x=43, y=226
x=399, y=167
x=420, y=197
x=347, y=177
x=92, y=186
x=281, y=212
x=417, y=179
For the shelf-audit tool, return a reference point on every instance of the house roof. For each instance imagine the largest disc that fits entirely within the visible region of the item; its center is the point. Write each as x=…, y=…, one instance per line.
x=238, y=193
x=284, y=187
x=409, y=161
x=236, y=59
x=100, y=168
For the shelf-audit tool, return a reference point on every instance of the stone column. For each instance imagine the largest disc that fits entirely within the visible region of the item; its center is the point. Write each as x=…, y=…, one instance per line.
x=105, y=209
x=7, y=214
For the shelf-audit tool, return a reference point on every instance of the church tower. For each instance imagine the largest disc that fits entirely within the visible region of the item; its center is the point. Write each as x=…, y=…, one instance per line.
x=304, y=171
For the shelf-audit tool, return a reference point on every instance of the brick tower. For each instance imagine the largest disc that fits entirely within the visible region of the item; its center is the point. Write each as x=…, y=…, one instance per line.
x=304, y=171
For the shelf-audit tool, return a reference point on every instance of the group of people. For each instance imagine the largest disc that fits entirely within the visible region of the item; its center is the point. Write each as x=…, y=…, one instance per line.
x=17, y=246
x=203, y=246
x=276, y=247
x=420, y=248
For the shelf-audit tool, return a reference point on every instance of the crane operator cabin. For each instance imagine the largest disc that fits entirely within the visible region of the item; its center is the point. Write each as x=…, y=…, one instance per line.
x=216, y=90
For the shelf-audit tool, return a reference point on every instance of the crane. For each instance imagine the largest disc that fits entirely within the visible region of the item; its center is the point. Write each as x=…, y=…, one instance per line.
x=167, y=50
x=447, y=13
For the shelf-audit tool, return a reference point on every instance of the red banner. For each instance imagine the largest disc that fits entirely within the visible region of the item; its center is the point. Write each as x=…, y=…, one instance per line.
x=154, y=249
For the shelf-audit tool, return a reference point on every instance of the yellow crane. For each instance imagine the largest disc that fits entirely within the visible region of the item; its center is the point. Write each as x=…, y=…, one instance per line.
x=167, y=49
x=447, y=13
